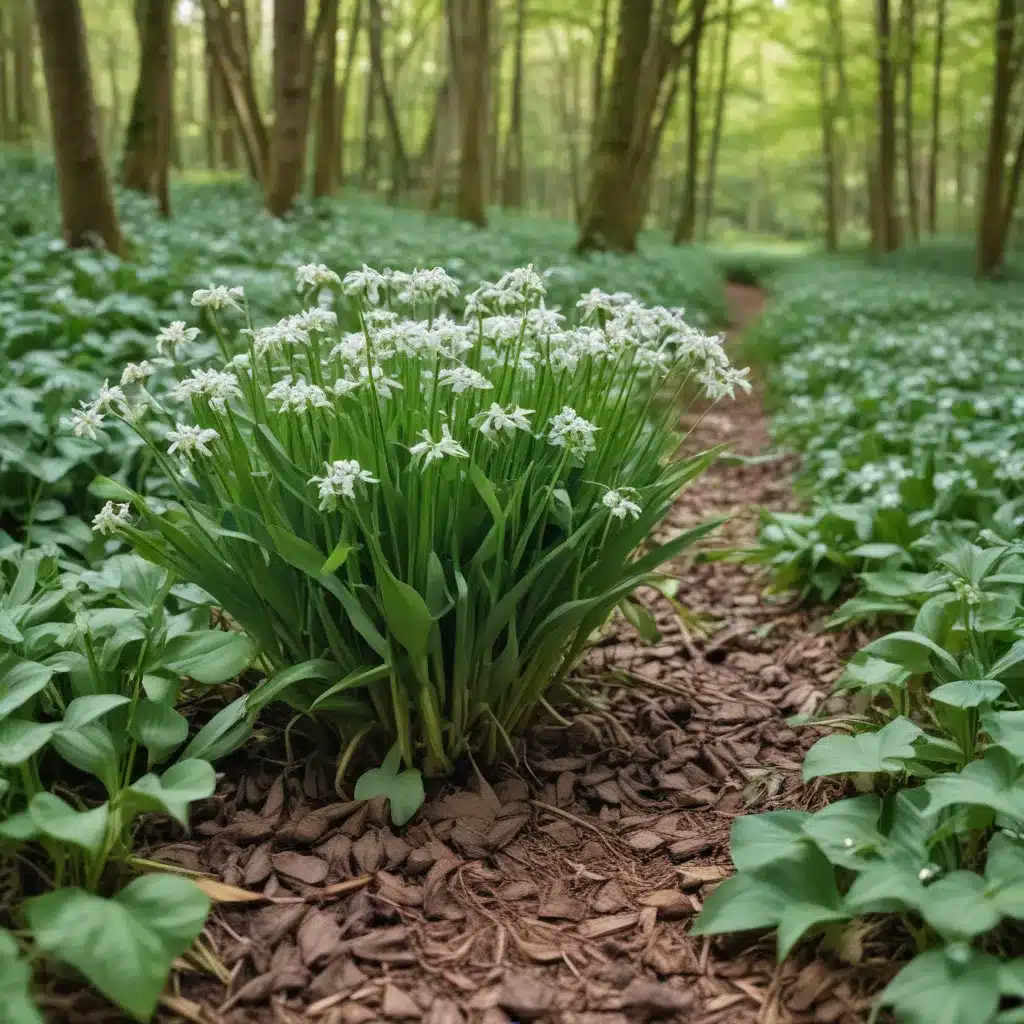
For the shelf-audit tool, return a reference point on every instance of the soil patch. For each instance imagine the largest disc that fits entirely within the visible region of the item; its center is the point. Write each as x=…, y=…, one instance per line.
x=562, y=890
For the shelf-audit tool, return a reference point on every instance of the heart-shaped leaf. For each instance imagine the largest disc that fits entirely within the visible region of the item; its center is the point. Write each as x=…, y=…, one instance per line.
x=59, y=820
x=956, y=985
x=208, y=656
x=15, y=981
x=759, y=839
x=91, y=749
x=124, y=946
x=914, y=651
x=159, y=728
x=994, y=782
x=968, y=693
x=172, y=792
x=881, y=751
x=404, y=790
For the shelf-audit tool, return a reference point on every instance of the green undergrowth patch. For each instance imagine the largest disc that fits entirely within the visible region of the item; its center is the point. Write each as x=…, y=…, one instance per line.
x=902, y=393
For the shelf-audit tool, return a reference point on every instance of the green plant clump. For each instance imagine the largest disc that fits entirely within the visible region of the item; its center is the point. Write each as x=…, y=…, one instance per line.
x=903, y=395
x=937, y=834
x=421, y=522
x=92, y=664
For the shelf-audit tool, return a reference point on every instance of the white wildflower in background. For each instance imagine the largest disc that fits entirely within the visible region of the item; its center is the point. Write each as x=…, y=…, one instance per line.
x=365, y=283
x=216, y=385
x=187, y=440
x=382, y=383
x=136, y=373
x=462, y=378
x=380, y=317
x=298, y=396
x=343, y=386
x=218, y=297
x=340, y=481
x=175, y=336
x=314, y=275
x=424, y=285
x=596, y=301
x=496, y=419
x=108, y=396
x=264, y=339
x=543, y=320
x=432, y=450
x=620, y=505
x=351, y=349
x=111, y=518
x=572, y=432
x=316, y=320
x=86, y=421
x=723, y=381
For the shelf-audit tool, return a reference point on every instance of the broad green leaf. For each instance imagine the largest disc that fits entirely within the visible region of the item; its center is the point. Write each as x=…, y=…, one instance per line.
x=913, y=651
x=9, y=631
x=91, y=749
x=83, y=710
x=886, y=887
x=208, y=656
x=124, y=946
x=994, y=782
x=957, y=906
x=275, y=687
x=1010, y=665
x=847, y=831
x=173, y=791
x=955, y=985
x=872, y=673
x=407, y=614
x=968, y=693
x=59, y=820
x=159, y=728
x=19, y=739
x=403, y=790
x=1006, y=728
x=1004, y=874
x=881, y=751
x=15, y=984
x=20, y=681
x=759, y=839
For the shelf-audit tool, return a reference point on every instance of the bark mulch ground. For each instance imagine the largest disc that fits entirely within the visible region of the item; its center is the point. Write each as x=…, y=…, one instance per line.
x=561, y=890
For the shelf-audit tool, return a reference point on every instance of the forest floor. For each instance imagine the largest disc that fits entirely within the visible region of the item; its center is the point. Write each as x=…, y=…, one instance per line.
x=565, y=892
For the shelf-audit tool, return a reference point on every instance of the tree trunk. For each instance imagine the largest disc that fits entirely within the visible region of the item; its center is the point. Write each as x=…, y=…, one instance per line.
x=468, y=28
x=597, y=85
x=992, y=233
x=909, y=33
x=960, y=156
x=828, y=155
x=399, y=171
x=144, y=166
x=343, y=88
x=512, y=178
x=563, y=88
x=227, y=31
x=716, y=131
x=687, y=223
x=888, y=225
x=24, y=71
x=933, y=157
x=844, y=137
x=6, y=134
x=88, y=215
x=327, y=114
x=294, y=59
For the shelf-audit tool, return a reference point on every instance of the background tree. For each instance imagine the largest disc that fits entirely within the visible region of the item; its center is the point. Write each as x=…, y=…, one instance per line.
x=88, y=216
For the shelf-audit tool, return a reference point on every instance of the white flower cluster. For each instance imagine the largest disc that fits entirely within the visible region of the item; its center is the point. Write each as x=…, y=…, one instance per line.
x=432, y=450
x=111, y=518
x=218, y=297
x=340, y=481
x=217, y=386
x=572, y=432
x=420, y=285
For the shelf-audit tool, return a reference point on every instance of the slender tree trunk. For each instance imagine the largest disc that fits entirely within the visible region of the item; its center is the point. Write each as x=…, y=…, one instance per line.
x=24, y=71
x=716, y=131
x=960, y=156
x=605, y=223
x=5, y=108
x=991, y=226
x=888, y=224
x=343, y=88
x=368, y=173
x=828, y=154
x=687, y=224
x=597, y=84
x=399, y=159
x=909, y=34
x=563, y=89
x=512, y=178
x=144, y=166
x=845, y=135
x=933, y=157
x=327, y=114
x=88, y=216
x=469, y=35
x=494, y=93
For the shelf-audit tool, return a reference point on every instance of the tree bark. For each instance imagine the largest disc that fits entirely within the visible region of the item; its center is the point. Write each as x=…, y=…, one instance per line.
x=5, y=115
x=399, y=158
x=992, y=228
x=888, y=225
x=24, y=71
x=597, y=84
x=324, y=175
x=716, y=131
x=909, y=34
x=960, y=156
x=294, y=60
x=845, y=136
x=512, y=177
x=687, y=223
x=343, y=88
x=227, y=30
x=469, y=35
x=933, y=157
x=144, y=166
x=88, y=215
x=828, y=155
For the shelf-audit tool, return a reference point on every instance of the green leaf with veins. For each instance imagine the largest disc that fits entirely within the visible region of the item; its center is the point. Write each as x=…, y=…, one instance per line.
x=968, y=693
x=956, y=985
x=994, y=782
x=59, y=820
x=759, y=839
x=881, y=751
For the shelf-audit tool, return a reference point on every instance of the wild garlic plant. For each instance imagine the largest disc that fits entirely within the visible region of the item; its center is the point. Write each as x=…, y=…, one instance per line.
x=420, y=522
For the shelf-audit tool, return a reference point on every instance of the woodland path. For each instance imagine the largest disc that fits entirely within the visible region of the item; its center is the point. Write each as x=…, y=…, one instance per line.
x=565, y=893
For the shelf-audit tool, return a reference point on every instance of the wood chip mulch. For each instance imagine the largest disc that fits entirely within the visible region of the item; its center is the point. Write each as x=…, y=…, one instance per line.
x=562, y=889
